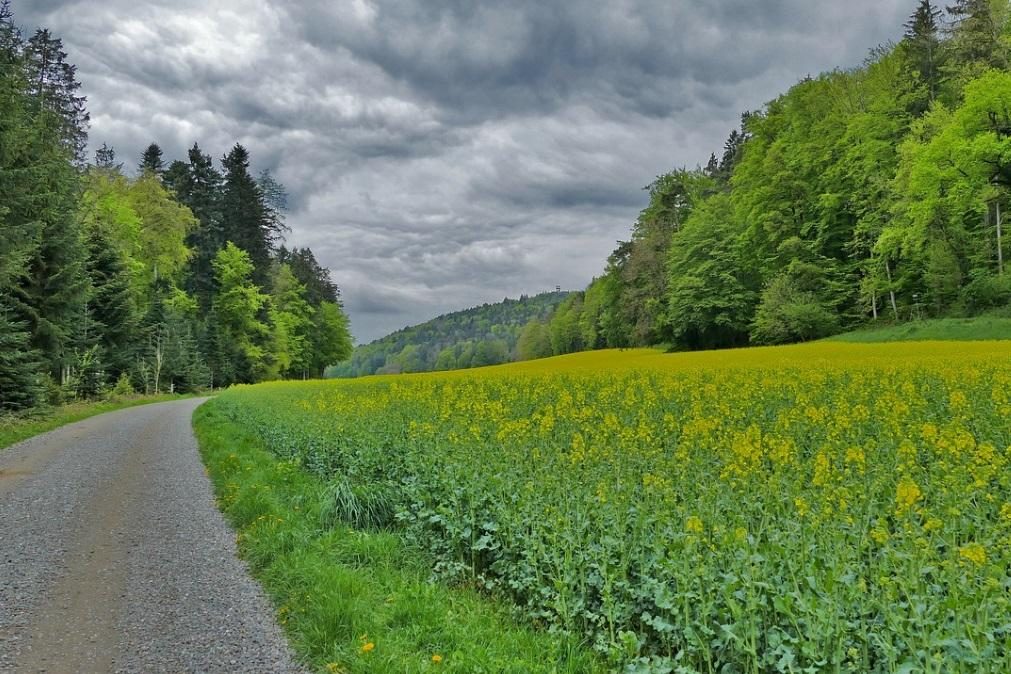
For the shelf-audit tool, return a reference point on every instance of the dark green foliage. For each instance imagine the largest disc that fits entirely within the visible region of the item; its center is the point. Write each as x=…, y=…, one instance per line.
x=197, y=185
x=53, y=87
x=152, y=160
x=20, y=384
x=922, y=48
x=245, y=220
x=453, y=340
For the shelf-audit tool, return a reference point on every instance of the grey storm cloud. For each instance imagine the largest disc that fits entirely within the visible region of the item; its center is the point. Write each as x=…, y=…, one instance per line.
x=444, y=154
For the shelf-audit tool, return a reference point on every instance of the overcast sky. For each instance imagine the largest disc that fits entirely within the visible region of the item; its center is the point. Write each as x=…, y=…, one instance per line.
x=445, y=153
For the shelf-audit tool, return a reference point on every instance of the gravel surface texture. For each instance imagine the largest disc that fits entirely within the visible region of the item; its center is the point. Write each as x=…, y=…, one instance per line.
x=114, y=558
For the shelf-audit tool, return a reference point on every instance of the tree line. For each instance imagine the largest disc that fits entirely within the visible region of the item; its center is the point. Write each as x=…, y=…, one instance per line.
x=172, y=277
x=486, y=335
x=876, y=193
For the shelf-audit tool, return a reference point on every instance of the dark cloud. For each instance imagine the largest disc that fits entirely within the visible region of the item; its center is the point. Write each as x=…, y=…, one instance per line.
x=444, y=154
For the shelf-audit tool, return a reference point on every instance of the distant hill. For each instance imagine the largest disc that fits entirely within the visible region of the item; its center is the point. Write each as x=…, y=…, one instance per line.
x=484, y=335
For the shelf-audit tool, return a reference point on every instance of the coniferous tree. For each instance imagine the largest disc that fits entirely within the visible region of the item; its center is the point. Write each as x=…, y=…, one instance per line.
x=922, y=46
x=53, y=85
x=197, y=185
x=110, y=316
x=20, y=388
x=244, y=215
x=975, y=38
x=20, y=228
x=152, y=160
x=105, y=158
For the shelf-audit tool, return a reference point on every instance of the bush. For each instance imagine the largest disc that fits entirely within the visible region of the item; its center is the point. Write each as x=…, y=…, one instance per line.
x=789, y=314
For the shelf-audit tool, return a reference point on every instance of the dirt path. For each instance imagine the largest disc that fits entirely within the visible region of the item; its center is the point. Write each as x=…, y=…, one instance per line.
x=113, y=557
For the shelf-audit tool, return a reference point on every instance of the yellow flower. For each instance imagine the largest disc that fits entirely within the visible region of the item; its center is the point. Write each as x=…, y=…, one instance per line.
x=907, y=493
x=436, y=658
x=1005, y=512
x=803, y=508
x=693, y=525
x=973, y=552
x=879, y=534
x=368, y=647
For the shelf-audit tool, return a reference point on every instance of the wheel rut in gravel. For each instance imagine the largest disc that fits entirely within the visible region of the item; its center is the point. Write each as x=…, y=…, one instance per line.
x=114, y=558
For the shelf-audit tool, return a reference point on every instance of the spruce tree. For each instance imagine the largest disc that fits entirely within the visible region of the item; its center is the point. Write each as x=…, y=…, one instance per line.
x=110, y=318
x=197, y=185
x=20, y=228
x=244, y=215
x=975, y=36
x=19, y=367
x=151, y=161
x=53, y=85
x=922, y=45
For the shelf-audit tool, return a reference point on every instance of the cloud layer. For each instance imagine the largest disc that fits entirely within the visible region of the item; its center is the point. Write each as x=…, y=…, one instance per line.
x=444, y=154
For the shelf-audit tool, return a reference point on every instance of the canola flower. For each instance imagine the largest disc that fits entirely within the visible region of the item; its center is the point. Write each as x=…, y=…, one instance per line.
x=826, y=507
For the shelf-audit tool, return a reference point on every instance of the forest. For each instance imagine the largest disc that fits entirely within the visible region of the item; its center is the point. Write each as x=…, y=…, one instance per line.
x=486, y=335
x=170, y=277
x=862, y=195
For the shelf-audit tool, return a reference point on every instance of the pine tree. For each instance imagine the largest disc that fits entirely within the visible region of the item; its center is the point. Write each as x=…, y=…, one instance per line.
x=151, y=160
x=110, y=318
x=197, y=185
x=975, y=36
x=244, y=215
x=20, y=229
x=53, y=86
x=105, y=158
x=922, y=44
x=19, y=368
x=52, y=294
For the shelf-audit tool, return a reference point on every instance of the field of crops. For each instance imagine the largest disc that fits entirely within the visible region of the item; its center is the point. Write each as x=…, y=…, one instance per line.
x=829, y=507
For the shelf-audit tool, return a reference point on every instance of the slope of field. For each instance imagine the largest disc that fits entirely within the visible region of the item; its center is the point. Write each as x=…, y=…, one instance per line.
x=484, y=335
x=947, y=329
x=824, y=507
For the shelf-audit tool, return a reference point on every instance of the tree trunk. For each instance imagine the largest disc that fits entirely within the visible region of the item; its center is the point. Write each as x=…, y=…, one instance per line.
x=1000, y=246
x=891, y=290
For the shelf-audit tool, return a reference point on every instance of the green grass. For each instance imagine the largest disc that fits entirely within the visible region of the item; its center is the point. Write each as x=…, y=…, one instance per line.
x=943, y=329
x=15, y=428
x=338, y=589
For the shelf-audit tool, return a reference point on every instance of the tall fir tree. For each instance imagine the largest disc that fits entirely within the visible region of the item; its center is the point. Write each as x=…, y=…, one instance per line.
x=53, y=85
x=20, y=229
x=53, y=293
x=152, y=161
x=244, y=214
x=197, y=185
x=922, y=47
x=975, y=37
x=20, y=387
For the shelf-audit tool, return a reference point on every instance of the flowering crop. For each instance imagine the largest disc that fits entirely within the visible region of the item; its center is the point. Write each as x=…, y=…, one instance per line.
x=828, y=507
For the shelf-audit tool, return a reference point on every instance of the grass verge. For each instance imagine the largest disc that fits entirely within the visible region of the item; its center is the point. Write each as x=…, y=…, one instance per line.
x=15, y=428
x=980, y=328
x=359, y=600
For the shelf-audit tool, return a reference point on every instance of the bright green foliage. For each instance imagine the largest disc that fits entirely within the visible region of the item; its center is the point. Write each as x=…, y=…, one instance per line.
x=165, y=226
x=291, y=325
x=237, y=304
x=956, y=166
x=711, y=297
x=534, y=342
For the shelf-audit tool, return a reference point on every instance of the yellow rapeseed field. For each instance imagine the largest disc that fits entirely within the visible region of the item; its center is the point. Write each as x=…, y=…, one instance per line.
x=826, y=507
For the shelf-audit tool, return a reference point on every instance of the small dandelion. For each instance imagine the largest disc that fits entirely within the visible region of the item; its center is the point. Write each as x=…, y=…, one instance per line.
x=436, y=658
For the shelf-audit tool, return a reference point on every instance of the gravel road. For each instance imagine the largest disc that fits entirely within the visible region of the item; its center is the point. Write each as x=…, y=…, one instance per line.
x=114, y=558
